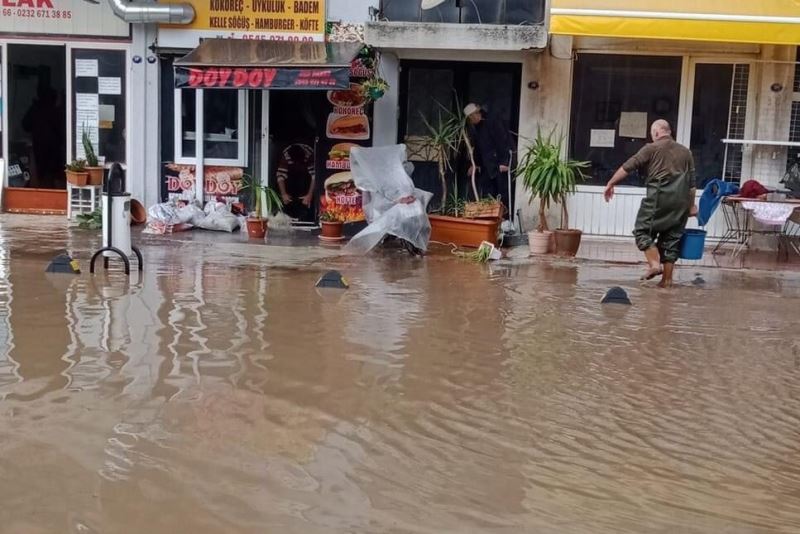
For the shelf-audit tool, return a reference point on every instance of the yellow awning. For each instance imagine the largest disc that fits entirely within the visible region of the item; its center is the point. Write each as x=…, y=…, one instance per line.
x=733, y=21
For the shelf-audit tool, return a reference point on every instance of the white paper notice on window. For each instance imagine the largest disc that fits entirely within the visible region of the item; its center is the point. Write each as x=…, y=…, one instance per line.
x=633, y=124
x=602, y=138
x=87, y=101
x=86, y=68
x=109, y=86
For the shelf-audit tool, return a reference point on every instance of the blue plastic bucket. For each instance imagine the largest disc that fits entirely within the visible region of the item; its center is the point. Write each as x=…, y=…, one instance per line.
x=693, y=243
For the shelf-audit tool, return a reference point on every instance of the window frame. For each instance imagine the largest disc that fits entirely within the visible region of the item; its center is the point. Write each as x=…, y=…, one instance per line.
x=690, y=59
x=242, y=127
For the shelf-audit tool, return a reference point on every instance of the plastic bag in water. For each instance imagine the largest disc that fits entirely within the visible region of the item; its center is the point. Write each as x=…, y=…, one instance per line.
x=380, y=174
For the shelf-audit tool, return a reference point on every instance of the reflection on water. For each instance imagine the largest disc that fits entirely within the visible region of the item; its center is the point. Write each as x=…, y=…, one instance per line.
x=433, y=396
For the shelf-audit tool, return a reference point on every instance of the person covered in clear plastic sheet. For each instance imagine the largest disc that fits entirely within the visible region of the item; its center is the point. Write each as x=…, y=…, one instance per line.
x=392, y=205
x=669, y=174
x=296, y=179
x=494, y=148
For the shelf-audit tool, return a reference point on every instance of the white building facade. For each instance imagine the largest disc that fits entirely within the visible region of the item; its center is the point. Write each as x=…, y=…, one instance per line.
x=64, y=68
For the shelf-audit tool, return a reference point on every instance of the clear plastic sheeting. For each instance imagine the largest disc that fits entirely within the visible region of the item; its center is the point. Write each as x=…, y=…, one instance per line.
x=380, y=173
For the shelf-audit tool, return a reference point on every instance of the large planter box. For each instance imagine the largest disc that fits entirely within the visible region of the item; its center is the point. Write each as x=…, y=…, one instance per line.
x=38, y=201
x=463, y=232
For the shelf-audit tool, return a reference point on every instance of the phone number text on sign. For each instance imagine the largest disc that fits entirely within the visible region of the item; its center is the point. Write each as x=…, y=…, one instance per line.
x=37, y=13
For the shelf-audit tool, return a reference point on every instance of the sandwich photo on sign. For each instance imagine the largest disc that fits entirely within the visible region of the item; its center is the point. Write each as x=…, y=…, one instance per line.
x=354, y=127
x=347, y=98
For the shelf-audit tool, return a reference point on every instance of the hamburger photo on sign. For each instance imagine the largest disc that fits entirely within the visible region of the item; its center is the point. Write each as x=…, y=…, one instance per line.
x=342, y=199
x=339, y=156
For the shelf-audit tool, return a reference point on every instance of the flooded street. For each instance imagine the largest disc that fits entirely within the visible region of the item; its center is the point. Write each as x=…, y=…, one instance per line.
x=220, y=392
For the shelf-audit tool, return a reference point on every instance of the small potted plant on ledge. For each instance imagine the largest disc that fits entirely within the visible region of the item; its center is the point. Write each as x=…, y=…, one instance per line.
x=549, y=177
x=262, y=198
x=96, y=172
x=332, y=226
x=76, y=173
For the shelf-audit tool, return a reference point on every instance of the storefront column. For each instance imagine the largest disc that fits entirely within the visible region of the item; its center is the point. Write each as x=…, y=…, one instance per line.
x=144, y=130
x=545, y=107
x=386, y=109
x=773, y=112
x=199, y=148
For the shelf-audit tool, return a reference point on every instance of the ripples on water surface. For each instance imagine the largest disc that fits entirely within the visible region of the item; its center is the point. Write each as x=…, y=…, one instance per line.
x=433, y=396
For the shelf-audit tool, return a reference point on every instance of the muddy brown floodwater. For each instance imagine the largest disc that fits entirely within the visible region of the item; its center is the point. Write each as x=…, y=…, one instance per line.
x=215, y=394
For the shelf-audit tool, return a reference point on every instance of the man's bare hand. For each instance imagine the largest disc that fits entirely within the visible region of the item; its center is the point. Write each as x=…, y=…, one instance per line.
x=693, y=211
x=503, y=168
x=609, y=193
x=306, y=200
x=286, y=198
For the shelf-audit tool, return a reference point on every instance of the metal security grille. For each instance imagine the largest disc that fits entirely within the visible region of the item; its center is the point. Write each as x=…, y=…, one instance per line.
x=794, y=124
x=737, y=121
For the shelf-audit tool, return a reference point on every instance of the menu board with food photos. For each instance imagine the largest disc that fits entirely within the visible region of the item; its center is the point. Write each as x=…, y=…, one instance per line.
x=348, y=125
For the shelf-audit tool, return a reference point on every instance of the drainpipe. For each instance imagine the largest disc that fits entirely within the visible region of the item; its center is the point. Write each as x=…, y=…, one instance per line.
x=152, y=13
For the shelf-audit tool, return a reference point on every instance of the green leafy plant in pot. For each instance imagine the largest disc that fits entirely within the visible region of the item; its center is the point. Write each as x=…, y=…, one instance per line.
x=76, y=173
x=262, y=199
x=551, y=178
x=447, y=138
x=96, y=172
x=332, y=226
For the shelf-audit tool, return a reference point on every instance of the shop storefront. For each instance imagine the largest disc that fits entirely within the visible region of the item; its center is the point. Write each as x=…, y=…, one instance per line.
x=261, y=93
x=64, y=65
x=722, y=74
x=444, y=55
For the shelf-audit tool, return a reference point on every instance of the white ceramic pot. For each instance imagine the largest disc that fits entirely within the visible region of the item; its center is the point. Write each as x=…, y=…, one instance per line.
x=539, y=242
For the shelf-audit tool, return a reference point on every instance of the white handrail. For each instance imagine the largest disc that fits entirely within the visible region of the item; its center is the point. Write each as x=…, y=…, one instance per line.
x=757, y=142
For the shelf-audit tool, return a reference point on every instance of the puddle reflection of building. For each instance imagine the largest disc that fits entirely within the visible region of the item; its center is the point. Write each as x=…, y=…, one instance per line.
x=215, y=315
x=9, y=374
x=389, y=302
x=452, y=419
x=40, y=330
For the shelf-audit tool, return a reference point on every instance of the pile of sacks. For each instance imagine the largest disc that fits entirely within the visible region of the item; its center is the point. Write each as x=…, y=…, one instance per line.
x=180, y=214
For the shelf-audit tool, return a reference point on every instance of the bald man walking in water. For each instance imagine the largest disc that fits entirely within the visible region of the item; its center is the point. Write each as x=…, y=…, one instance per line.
x=668, y=169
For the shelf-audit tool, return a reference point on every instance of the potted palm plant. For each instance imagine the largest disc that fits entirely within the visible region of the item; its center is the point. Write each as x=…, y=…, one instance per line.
x=262, y=198
x=458, y=221
x=548, y=176
x=93, y=167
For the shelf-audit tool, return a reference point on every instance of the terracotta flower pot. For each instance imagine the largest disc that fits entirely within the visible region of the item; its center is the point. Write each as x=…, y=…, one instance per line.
x=96, y=175
x=463, y=232
x=138, y=213
x=78, y=178
x=256, y=228
x=539, y=242
x=332, y=230
x=568, y=242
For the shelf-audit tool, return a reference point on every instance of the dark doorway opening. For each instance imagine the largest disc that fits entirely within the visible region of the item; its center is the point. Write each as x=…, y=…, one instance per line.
x=37, y=109
x=296, y=124
x=426, y=86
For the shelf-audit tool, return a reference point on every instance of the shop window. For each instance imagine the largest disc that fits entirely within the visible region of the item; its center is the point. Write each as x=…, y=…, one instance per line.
x=614, y=100
x=794, y=125
x=224, y=126
x=98, y=102
x=466, y=11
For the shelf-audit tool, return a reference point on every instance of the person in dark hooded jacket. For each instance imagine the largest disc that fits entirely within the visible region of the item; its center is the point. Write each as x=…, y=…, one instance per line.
x=494, y=149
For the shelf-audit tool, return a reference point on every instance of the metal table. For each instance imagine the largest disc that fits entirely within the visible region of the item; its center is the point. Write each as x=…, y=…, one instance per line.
x=740, y=228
